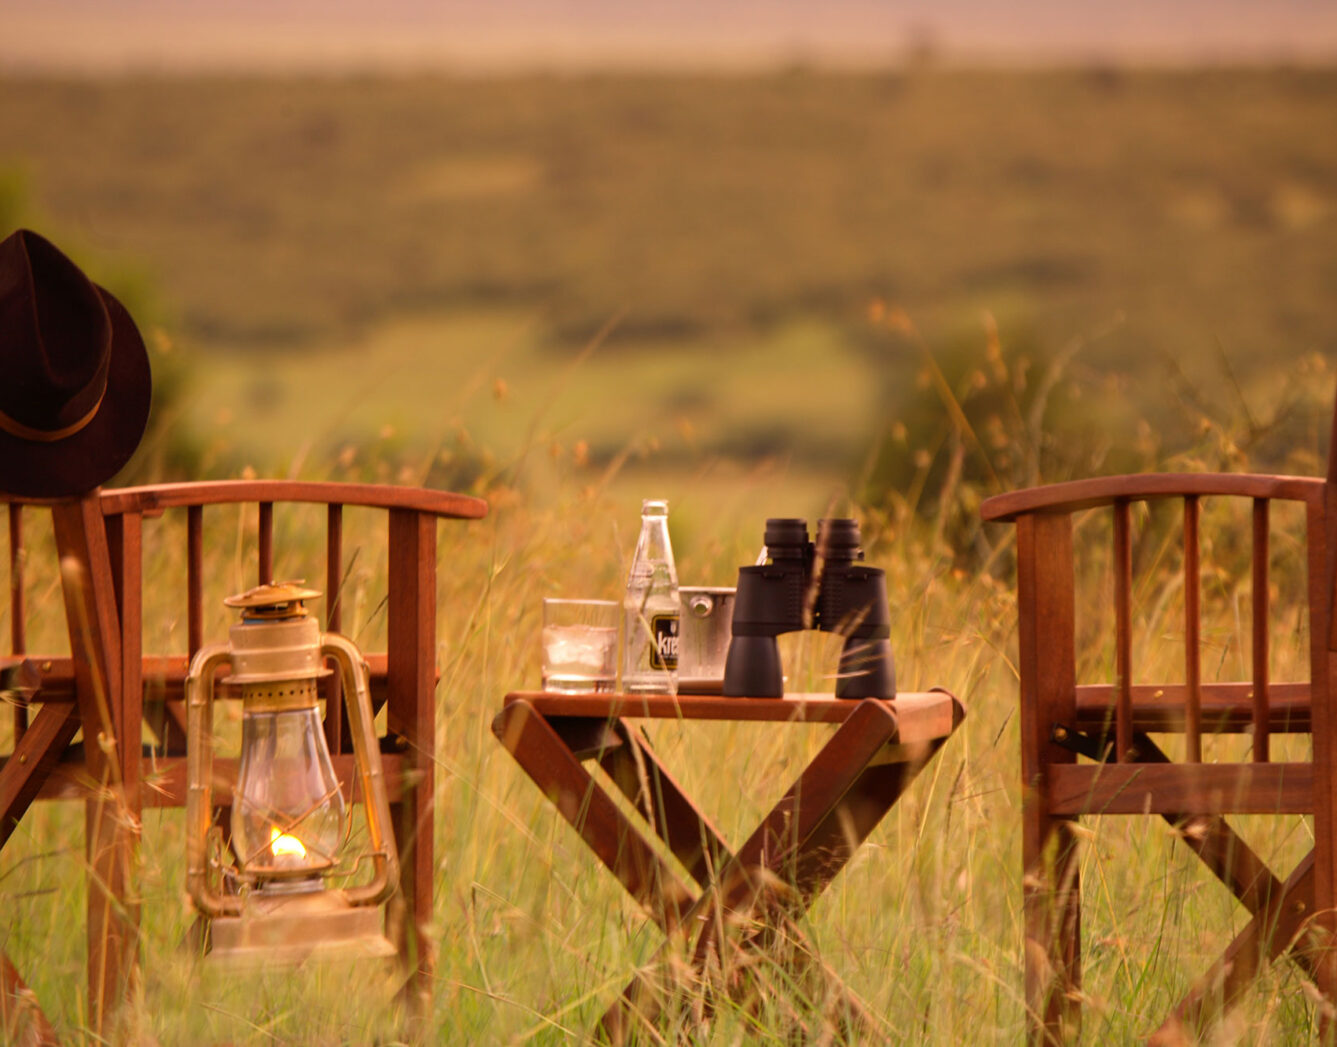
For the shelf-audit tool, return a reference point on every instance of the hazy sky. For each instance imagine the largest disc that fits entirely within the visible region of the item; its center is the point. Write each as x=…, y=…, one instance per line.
x=111, y=34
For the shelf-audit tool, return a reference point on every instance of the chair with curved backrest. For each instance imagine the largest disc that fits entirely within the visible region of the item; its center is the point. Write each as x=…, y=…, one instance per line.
x=101, y=687
x=1087, y=746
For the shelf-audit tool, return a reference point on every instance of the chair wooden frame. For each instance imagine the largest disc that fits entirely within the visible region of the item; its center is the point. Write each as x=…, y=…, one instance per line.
x=100, y=688
x=799, y=847
x=1063, y=719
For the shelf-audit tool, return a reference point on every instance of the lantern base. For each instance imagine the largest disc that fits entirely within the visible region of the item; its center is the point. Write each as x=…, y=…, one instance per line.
x=295, y=928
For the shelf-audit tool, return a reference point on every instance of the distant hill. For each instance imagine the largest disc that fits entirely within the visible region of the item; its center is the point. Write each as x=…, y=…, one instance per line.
x=167, y=34
x=1136, y=224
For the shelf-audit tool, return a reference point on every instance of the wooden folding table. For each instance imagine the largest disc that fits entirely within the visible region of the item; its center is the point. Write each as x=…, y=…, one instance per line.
x=877, y=749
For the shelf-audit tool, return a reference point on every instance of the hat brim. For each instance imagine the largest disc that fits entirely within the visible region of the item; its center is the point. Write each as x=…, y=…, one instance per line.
x=98, y=451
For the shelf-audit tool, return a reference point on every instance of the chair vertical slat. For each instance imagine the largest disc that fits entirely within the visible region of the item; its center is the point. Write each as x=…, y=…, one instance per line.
x=1123, y=583
x=18, y=643
x=194, y=566
x=125, y=542
x=1260, y=638
x=265, y=553
x=334, y=558
x=1192, y=634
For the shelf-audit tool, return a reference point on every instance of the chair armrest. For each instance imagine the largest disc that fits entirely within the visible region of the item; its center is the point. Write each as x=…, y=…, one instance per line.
x=1140, y=487
x=153, y=498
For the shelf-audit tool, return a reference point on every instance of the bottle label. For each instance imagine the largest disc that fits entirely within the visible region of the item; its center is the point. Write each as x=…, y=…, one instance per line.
x=664, y=651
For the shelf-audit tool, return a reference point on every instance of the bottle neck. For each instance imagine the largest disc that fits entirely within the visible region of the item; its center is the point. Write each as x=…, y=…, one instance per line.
x=654, y=551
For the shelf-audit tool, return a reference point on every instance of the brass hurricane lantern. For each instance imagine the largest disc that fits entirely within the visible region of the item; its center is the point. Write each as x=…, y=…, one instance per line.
x=271, y=900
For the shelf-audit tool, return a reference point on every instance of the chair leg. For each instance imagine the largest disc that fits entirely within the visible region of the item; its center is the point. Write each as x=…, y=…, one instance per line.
x=411, y=716
x=1319, y=938
x=1046, y=644
x=111, y=750
x=1052, y=900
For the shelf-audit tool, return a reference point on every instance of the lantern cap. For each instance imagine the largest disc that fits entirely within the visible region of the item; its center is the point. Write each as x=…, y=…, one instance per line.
x=274, y=600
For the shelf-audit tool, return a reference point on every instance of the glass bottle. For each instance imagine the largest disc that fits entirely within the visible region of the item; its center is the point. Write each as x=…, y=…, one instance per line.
x=651, y=609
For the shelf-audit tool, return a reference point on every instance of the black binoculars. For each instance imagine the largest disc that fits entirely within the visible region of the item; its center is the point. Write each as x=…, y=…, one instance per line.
x=807, y=586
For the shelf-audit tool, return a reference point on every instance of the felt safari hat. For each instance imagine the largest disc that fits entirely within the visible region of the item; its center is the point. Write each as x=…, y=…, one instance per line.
x=74, y=375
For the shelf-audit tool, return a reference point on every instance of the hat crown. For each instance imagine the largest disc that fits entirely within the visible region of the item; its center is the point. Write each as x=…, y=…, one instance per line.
x=55, y=340
x=75, y=382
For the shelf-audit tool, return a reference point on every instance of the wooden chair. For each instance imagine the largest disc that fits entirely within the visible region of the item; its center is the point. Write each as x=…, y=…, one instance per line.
x=128, y=761
x=1087, y=748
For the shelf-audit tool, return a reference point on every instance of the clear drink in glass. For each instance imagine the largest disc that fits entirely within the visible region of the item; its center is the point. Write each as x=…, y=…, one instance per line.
x=579, y=643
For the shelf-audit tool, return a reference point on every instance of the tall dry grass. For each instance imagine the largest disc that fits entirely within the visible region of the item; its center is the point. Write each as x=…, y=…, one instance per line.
x=533, y=939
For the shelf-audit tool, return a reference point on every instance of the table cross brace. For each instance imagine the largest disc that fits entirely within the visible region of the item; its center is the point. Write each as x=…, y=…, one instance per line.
x=799, y=847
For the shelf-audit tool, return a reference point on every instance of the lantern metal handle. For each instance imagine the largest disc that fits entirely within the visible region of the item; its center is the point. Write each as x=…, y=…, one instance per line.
x=199, y=781
x=384, y=854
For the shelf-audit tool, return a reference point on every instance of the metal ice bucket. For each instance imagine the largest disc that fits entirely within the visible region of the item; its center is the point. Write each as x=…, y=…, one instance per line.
x=704, y=634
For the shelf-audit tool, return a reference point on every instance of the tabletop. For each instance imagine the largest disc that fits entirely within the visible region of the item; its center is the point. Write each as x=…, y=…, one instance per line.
x=920, y=715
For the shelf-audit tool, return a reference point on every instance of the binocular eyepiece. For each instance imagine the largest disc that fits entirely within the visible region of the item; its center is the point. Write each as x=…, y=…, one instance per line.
x=811, y=586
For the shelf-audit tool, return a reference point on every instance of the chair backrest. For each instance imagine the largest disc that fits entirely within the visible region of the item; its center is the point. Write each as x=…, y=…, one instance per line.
x=1046, y=592
x=411, y=556
x=101, y=689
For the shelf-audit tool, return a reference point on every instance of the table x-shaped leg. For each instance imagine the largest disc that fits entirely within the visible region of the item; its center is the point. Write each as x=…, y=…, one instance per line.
x=799, y=847
x=552, y=751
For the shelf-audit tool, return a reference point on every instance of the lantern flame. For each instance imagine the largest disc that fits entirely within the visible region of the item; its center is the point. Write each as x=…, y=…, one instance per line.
x=281, y=845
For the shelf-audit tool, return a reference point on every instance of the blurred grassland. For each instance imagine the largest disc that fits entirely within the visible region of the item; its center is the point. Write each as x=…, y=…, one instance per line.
x=567, y=293
x=417, y=237
x=533, y=939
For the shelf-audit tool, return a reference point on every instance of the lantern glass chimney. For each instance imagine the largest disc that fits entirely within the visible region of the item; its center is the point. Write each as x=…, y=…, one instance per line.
x=288, y=812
